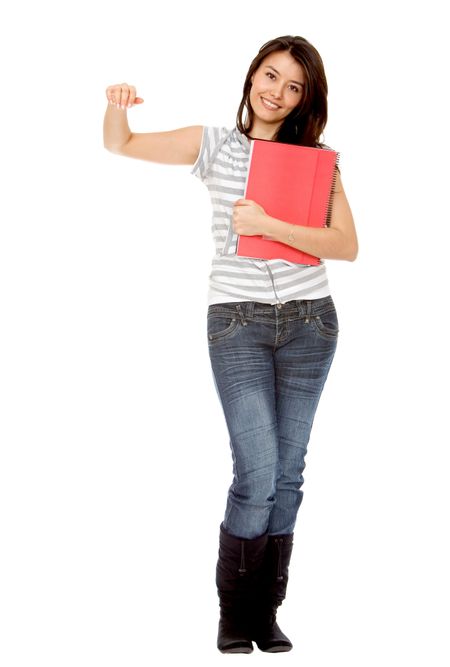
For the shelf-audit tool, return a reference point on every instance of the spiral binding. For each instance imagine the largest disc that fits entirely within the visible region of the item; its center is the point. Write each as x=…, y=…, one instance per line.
x=330, y=198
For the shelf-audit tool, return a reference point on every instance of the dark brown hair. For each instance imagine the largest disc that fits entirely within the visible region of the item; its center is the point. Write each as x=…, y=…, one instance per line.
x=305, y=124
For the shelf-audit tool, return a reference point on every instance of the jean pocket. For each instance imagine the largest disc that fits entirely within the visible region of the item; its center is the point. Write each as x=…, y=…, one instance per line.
x=221, y=326
x=327, y=324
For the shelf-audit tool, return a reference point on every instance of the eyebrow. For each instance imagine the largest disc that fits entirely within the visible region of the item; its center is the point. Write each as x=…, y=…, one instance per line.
x=299, y=83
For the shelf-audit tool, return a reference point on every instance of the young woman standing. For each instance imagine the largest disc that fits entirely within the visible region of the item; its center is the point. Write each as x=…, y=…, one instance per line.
x=272, y=324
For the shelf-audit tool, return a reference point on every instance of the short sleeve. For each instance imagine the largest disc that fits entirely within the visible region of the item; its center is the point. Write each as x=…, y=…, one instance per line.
x=328, y=148
x=212, y=139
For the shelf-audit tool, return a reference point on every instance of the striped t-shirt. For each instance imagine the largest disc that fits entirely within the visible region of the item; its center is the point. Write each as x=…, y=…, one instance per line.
x=222, y=166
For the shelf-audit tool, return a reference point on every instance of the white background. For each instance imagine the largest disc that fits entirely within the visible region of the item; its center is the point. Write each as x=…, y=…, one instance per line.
x=114, y=454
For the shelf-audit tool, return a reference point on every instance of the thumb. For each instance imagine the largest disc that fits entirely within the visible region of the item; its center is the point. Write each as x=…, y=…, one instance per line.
x=138, y=100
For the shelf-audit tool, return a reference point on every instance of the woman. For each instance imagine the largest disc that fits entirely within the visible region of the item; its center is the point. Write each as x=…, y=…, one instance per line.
x=272, y=325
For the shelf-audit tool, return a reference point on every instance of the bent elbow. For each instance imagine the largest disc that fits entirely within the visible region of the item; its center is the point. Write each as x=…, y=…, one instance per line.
x=112, y=148
x=348, y=251
x=346, y=247
x=352, y=253
x=115, y=147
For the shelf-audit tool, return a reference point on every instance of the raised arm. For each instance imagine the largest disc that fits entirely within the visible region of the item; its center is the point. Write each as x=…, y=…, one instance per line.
x=180, y=146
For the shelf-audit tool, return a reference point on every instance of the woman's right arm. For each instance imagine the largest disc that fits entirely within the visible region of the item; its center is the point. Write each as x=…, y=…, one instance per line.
x=180, y=146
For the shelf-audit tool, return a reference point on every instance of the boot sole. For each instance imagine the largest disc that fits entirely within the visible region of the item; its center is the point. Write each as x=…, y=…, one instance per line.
x=279, y=648
x=237, y=649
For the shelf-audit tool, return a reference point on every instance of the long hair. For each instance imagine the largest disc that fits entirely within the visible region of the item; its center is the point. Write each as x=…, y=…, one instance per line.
x=305, y=124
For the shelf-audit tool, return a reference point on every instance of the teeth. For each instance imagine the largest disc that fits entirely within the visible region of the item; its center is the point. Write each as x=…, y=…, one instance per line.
x=270, y=104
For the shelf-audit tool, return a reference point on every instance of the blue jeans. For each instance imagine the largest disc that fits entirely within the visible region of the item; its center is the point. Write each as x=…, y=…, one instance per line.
x=269, y=364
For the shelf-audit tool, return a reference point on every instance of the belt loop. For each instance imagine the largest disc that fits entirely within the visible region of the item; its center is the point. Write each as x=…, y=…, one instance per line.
x=308, y=310
x=250, y=307
x=241, y=315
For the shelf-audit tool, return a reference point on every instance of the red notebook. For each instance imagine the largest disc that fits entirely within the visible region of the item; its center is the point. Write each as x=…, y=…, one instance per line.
x=291, y=183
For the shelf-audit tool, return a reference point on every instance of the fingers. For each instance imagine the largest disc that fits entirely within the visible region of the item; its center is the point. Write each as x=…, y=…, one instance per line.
x=238, y=212
x=244, y=202
x=238, y=215
x=122, y=96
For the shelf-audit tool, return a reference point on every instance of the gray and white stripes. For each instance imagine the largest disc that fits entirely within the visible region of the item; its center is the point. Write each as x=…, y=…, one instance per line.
x=222, y=166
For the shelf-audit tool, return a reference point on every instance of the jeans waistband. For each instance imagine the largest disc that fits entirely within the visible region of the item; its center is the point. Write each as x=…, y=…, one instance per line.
x=300, y=307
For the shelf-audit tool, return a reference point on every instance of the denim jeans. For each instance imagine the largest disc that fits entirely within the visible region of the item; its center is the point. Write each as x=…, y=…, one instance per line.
x=269, y=364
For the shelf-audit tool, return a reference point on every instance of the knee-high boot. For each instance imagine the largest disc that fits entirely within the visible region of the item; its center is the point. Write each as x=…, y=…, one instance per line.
x=270, y=594
x=237, y=574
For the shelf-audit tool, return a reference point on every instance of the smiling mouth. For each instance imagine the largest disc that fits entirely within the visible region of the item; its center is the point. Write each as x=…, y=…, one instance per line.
x=269, y=105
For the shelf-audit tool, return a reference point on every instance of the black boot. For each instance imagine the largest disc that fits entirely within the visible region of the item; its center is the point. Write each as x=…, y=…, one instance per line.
x=270, y=595
x=238, y=570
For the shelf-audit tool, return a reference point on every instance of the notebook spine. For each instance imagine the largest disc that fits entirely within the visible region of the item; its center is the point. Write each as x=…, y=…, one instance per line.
x=332, y=190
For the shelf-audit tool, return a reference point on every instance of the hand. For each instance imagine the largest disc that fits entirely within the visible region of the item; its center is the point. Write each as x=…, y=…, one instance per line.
x=122, y=95
x=249, y=218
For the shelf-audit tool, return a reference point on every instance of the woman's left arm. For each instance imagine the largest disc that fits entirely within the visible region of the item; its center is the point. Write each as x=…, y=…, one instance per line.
x=338, y=241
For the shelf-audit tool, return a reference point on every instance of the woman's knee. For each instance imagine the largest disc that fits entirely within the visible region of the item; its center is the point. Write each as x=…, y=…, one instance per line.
x=256, y=487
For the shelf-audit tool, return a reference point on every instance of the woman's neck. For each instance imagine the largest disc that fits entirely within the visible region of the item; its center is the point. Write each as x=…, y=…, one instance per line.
x=263, y=131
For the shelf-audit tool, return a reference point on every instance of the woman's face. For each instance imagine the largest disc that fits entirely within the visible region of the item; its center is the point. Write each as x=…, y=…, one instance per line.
x=277, y=88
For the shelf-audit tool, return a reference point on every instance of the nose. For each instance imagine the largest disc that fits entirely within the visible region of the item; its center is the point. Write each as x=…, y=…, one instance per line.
x=276, y=91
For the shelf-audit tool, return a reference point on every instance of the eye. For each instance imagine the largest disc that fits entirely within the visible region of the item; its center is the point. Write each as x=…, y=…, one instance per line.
x=294, y=89
x=271, y=75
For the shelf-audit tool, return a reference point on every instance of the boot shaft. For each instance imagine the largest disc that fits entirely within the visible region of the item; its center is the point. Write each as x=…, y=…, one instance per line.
x=238, y=572
x=240, y=560
x=275, y=571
